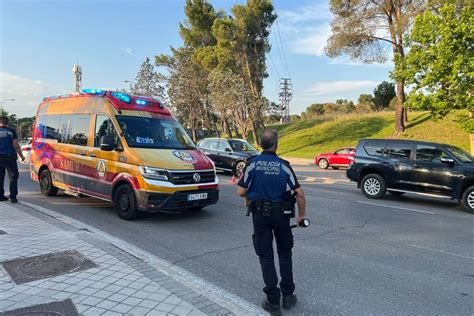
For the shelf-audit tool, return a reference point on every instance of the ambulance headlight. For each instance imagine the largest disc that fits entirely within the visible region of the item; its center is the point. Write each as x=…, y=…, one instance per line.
x=154, y=173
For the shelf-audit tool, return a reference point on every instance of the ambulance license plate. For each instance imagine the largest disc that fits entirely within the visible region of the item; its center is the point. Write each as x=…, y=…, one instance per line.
x=198, y=196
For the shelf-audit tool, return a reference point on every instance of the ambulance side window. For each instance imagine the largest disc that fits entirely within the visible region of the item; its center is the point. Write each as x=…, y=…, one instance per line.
x=74, y=129
x=103, y=127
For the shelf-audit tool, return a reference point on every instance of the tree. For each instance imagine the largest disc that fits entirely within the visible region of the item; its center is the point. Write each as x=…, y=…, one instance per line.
x=365, y=103
x=185, y=88
x=230, y=95
x=383, y=94
x=439, y=67
x=147, y=82
x=364, y=29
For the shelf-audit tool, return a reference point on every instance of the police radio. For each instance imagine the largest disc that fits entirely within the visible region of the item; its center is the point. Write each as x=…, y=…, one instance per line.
x=304, y=222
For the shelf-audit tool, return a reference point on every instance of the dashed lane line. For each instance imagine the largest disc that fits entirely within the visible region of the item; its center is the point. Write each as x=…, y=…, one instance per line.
x=396, y=207
x=443, y=252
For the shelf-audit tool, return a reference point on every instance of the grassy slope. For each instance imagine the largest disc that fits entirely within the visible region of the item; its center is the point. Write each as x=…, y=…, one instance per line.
x=306, y=138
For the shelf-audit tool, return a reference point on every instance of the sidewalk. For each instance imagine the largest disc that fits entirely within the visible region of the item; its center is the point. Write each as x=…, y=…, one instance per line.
x=69, y=268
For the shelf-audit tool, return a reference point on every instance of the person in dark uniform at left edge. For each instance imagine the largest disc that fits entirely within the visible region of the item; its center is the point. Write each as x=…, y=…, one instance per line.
x=9, y=148
x=267, y=184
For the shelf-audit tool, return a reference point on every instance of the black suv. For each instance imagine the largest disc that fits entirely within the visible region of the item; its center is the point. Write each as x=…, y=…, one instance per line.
x=404, y=166
x=228, y=154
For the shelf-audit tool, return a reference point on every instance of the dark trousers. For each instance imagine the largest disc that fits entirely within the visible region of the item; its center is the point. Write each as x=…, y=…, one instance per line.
x=9, y=164
x=264, y=229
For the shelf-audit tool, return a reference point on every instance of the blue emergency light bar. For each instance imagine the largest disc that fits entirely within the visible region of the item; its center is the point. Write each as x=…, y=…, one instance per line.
x=93, y=91
x=121, y=96
x=143, y=102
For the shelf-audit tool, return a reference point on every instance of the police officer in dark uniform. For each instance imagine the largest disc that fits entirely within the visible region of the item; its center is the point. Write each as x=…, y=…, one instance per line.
x=268, y=183
x=9, y=148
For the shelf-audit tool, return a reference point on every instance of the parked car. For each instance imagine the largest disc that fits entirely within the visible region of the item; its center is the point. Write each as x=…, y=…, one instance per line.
x=228, y=154
x=340, y=158
x=403, y=166
x=26, y=150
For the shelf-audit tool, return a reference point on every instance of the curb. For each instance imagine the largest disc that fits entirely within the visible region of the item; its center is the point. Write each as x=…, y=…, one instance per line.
x=232, y=302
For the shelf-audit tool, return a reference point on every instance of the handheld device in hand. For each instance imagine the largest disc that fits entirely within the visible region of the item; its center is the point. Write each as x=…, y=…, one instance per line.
x=304, y=222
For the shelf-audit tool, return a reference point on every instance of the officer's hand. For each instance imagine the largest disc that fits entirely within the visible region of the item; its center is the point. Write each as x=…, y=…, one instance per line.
x=22, y=158
x=298, y=220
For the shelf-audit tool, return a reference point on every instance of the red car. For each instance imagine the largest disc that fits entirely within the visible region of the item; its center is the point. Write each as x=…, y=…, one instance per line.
x=340, y=158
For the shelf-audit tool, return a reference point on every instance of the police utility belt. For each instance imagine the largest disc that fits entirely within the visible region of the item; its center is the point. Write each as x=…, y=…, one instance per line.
x=266, y=207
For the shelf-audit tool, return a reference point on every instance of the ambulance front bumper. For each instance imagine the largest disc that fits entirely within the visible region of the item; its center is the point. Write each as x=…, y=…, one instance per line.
x=178, y=201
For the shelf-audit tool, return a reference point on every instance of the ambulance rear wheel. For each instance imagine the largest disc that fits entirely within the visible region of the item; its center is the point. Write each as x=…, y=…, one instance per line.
x=125, y=202
x=46, y=183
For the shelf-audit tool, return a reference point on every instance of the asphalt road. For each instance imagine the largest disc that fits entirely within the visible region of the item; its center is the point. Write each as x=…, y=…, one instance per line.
x=399, y=255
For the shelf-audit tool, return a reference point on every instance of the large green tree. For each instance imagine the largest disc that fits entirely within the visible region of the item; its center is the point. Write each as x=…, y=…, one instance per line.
x=366, y=29
x=439, y=67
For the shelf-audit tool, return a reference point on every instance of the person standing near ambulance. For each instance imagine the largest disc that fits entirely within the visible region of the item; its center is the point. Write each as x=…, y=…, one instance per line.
x=269, y=184
x=9, y=148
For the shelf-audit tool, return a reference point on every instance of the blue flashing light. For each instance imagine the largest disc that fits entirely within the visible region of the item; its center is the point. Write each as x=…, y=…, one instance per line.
x=143, y=102
x=93, y=91
x=121, y=96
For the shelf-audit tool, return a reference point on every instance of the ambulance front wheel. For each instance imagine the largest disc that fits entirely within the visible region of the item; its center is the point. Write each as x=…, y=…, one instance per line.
x=46, y=183
x=125, y=202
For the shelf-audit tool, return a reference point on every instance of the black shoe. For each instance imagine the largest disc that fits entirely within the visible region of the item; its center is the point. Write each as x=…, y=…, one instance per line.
x=13, y=199
x=289, y=301
x=3, y=198
x=273, y=309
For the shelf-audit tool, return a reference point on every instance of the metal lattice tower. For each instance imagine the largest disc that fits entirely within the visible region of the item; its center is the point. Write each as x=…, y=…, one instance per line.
x=285, y=96
x=77, y=71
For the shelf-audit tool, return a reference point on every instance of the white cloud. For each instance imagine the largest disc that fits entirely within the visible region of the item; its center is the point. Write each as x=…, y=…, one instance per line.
x=327, y=88
x=312, y=42
x=27, y=93
x=128, y=51
x=305, y=30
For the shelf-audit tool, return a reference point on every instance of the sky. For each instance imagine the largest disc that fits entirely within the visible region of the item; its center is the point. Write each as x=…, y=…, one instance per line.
x=41, y=40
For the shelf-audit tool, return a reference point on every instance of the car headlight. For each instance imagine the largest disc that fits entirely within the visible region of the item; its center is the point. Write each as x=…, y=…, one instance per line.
x=154, y=173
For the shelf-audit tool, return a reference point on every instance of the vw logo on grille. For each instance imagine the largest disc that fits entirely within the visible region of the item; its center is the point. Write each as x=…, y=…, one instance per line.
x=196, y=177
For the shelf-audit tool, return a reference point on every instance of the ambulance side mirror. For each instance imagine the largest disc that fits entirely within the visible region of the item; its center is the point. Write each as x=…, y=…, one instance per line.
x=107, y=143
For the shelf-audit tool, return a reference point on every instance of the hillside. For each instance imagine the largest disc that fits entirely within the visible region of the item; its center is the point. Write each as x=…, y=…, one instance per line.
x=306, y=138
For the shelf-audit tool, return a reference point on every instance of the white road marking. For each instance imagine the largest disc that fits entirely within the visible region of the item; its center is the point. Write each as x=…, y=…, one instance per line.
x=396, y=207
x=444, y=252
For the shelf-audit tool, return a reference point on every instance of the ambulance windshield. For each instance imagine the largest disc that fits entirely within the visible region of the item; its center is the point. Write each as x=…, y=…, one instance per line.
x=147, y=132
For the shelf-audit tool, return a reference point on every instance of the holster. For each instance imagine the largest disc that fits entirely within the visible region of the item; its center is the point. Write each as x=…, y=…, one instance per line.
x=289, y=204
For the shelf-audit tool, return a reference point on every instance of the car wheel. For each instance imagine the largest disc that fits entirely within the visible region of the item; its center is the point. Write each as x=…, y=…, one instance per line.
x=396, y=193
x=46, y=183
x=323, y=163
x=239, y=169
x=373, y=186
x=468, y=199
x=125, y=202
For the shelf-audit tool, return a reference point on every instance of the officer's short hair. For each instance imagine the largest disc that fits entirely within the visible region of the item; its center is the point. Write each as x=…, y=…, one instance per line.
x=4, y=120
x=269, y=139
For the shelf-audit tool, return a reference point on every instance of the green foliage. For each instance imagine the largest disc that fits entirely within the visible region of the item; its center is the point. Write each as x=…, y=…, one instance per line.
x=439, y=66
x=147, y=82
x=383, y=94
x=229, y=94
x=465, y=122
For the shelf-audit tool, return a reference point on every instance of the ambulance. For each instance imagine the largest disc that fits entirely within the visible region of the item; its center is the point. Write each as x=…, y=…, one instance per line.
x=125, y=149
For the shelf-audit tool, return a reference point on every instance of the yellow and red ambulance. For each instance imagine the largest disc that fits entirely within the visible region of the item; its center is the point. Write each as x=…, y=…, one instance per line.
x=121, y=148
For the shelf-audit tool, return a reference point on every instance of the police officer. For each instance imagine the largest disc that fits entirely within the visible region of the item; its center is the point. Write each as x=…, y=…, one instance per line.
x=9, y=148
x=265, y=183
